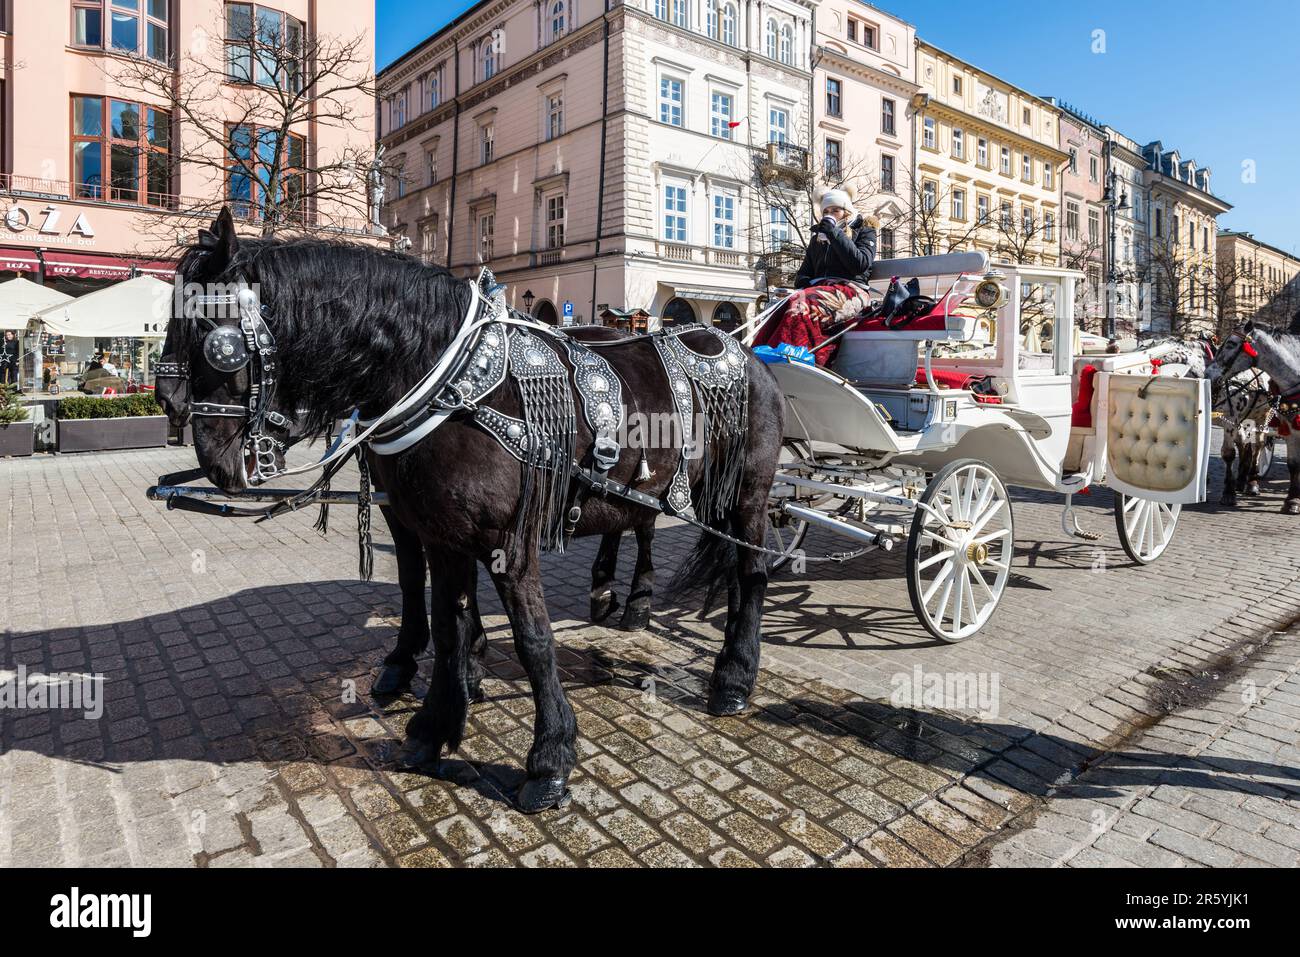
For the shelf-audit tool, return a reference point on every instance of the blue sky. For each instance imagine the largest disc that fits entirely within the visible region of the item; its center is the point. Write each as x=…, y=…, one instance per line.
x=1216, y=81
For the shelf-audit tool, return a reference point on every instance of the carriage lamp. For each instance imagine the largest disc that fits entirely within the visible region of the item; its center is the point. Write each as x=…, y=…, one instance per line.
x=990, y=294
x=529, y=299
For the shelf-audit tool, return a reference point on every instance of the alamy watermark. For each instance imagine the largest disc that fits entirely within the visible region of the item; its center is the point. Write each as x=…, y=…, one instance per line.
x=23, y=690
x=976, y=691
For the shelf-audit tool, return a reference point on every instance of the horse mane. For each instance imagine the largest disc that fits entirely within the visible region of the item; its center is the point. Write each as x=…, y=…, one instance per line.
x=1294, y=328
x=355, y=326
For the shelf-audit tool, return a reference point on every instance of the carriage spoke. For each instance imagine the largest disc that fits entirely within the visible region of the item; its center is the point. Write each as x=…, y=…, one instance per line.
x=934, y=560
x=978, y=575
x=970, y=596
x=987, y=517
x=941, y=612
x=991, y=536
x=945, y=574
x=956, y=613
x=945, y=542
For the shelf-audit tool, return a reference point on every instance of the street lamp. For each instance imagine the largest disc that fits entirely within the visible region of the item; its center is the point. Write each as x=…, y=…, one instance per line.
x=1113, y=206
x=529, y=299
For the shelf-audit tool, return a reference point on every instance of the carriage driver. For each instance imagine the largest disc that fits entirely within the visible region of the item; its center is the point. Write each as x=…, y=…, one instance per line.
x=831, y=285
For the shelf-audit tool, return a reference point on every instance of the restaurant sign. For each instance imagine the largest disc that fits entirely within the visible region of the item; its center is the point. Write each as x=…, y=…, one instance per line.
x=48, y=221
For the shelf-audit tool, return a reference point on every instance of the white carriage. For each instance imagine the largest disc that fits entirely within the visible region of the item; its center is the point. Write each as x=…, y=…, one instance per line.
x=884, y=454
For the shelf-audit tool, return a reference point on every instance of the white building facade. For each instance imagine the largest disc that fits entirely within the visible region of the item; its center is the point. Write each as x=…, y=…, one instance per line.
x=599, y=155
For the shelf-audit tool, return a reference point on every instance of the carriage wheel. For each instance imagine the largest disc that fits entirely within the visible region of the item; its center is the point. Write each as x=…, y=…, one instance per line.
x=1145, y=528
x=959, y=550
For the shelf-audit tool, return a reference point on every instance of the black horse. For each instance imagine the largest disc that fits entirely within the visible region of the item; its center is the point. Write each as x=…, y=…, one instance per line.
x=400, y=666
x=357, y=328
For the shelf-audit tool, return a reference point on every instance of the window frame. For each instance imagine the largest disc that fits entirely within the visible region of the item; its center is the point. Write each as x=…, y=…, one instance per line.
x=720, y=120
x=958, y=143
x=254, y=42
x=666, y=101
x=556, y=227
x=723, y=228
x=833, y=167
x=144, y=20
x=106, y=191
x=888, y=116
x=888, y=184
x=553, y=114
x=676, y=220
x=256, y=206
x=834, y=97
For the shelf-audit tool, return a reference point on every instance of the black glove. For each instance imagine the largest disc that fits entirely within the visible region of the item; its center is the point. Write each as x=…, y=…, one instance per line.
x=828, y=225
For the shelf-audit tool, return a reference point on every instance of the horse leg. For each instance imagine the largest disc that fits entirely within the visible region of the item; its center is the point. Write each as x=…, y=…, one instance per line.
x=1245, y=455
x=604, y=602
x=637, y=614
x=1229, y=455
x=1292, y=505
x=1252, y=474
x=413, y=637
x=553, y=754
x=478, y=643
x=454, y=624
x=736, y=669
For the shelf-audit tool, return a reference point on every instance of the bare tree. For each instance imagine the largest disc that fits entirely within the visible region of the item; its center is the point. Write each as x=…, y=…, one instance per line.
x=1226, y=294
x=1178, y=283
x=240, y=109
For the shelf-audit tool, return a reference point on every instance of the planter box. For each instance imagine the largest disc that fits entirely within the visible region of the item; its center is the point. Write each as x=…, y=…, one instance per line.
x=103, y=435
x=17, y=439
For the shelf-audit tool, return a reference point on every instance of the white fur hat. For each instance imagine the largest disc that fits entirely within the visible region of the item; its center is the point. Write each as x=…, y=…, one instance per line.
x=835, y=196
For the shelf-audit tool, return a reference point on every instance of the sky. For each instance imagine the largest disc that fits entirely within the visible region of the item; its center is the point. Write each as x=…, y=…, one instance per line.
x=1197, y=75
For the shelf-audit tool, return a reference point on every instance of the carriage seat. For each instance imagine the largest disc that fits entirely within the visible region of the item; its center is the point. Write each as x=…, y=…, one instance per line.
x=1083, y=419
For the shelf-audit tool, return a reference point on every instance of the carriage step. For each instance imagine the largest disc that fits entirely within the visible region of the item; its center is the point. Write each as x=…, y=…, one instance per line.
x=863, y=534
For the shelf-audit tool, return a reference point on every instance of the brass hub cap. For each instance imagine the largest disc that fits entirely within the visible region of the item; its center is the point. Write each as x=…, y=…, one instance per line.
x=978, y=553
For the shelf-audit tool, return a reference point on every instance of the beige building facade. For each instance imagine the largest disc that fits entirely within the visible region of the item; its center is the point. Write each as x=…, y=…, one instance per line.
x=600, y=162
x=987, y=167
x=1257, y=281
x=866, y=82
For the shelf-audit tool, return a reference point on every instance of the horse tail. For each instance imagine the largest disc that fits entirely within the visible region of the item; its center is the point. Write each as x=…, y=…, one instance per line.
x=711, y=566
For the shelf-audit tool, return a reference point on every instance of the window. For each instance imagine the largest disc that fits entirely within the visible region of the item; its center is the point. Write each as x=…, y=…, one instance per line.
x=1094, y=226
x=724, y=220
x=661, y=9
x=1027, y=168
x=853, y=30
x=252, y=186
x=723, y=108
x=860, y=32
x=834, y=157
x=929, y=196
x=1006, y=214
x=729, y=25
x=431, y=165
x=134, y=27
x=1047, y=175
x=886, y=173
x=670, y=101
x=769, y=39
x=1191, y=235
x=886, y=243
x=681, y=13
x=1027, y=220
x=778, y=125
x=123, y=144
x=958, y=144
x=1205, y=238
x=959, y=204
x=1025, y=116
x=399, y=177
x=1071, y=221
x=956, y=85
x=488, y=58
x=787, y=44
x=554, y=115
x=888, y=110
x=1006, y=161
x=555, y=221
x=779, y=226
x=429, y=238
x=1160, y=226
x=982, y=210
x=1049, y=226
x=927, y=134
x=1092, y=169
x=558, y=19
x=486, y=235
x=711, y=18
x=263, y=47
x=834, y=98
x=397, y=111
x=487, y=142
x=675, y=213
x=982, y=152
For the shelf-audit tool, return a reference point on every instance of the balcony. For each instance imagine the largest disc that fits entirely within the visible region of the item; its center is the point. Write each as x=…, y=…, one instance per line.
x=784, y=160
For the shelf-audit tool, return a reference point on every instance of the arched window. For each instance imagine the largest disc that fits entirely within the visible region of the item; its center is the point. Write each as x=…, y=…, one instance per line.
x=711, y=18
x=489, y=57
x=726, y=316
x=729, y=25
x=678, y=312
x=435, y=89
x=558, y=19
x=769, y=40
x=787, y=44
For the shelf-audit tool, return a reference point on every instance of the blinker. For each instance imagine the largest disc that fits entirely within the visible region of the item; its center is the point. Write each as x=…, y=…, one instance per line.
x=225, y=350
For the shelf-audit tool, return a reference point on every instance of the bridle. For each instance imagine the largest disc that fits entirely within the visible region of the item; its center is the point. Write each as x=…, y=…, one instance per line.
x=229, y=349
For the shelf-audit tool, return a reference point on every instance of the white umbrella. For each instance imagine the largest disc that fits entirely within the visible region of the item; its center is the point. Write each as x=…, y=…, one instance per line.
x=21, y=299
x=135, y=309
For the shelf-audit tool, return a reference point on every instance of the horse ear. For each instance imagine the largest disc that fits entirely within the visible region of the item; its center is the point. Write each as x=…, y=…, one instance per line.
x=1249, y=327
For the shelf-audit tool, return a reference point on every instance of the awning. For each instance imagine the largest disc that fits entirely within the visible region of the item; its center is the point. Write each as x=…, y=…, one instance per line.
x=18, y=260
x=138, y=308
x=83, y=266
x=717, y=295
x=20, y=300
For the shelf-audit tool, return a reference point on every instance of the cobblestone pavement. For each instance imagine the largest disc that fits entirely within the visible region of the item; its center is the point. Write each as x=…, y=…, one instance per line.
x=237, y=728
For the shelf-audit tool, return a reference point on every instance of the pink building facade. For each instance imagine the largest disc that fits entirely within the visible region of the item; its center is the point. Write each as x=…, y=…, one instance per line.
x=1084, y=226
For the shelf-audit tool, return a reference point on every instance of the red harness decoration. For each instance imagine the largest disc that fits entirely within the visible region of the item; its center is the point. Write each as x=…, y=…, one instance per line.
x=1288, y=411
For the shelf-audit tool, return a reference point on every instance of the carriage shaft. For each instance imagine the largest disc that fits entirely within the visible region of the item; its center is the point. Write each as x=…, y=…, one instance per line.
x=161, y=493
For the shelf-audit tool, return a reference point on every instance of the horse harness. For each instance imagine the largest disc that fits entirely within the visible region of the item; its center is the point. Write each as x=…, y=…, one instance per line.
x=1285, y=405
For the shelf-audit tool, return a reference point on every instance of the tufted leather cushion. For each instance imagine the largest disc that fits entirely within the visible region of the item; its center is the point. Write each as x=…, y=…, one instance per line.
x=1151, y=442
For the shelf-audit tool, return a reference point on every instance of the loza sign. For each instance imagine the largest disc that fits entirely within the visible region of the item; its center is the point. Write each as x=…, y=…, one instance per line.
x=49, y=221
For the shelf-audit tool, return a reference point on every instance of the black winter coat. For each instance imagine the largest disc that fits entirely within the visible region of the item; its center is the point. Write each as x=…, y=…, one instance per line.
x=842, y=257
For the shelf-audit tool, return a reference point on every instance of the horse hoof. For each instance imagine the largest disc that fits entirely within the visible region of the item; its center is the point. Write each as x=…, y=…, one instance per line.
x=476, y=694
x=415, y=755
x=1292, y=507
x=1252, y=488
x=542, y=794
x=725, y=704
x=394, y=679
x=635, y=619
x=603, y=607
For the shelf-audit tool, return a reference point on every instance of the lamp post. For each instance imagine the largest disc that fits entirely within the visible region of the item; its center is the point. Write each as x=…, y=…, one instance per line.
x=1113, y=205
x=529, y=299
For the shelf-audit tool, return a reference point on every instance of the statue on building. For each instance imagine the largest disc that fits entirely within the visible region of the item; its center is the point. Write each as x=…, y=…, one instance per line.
x=378, y=189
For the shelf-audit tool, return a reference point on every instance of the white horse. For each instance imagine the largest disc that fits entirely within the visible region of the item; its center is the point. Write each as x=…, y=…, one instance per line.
x=1277, y=354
